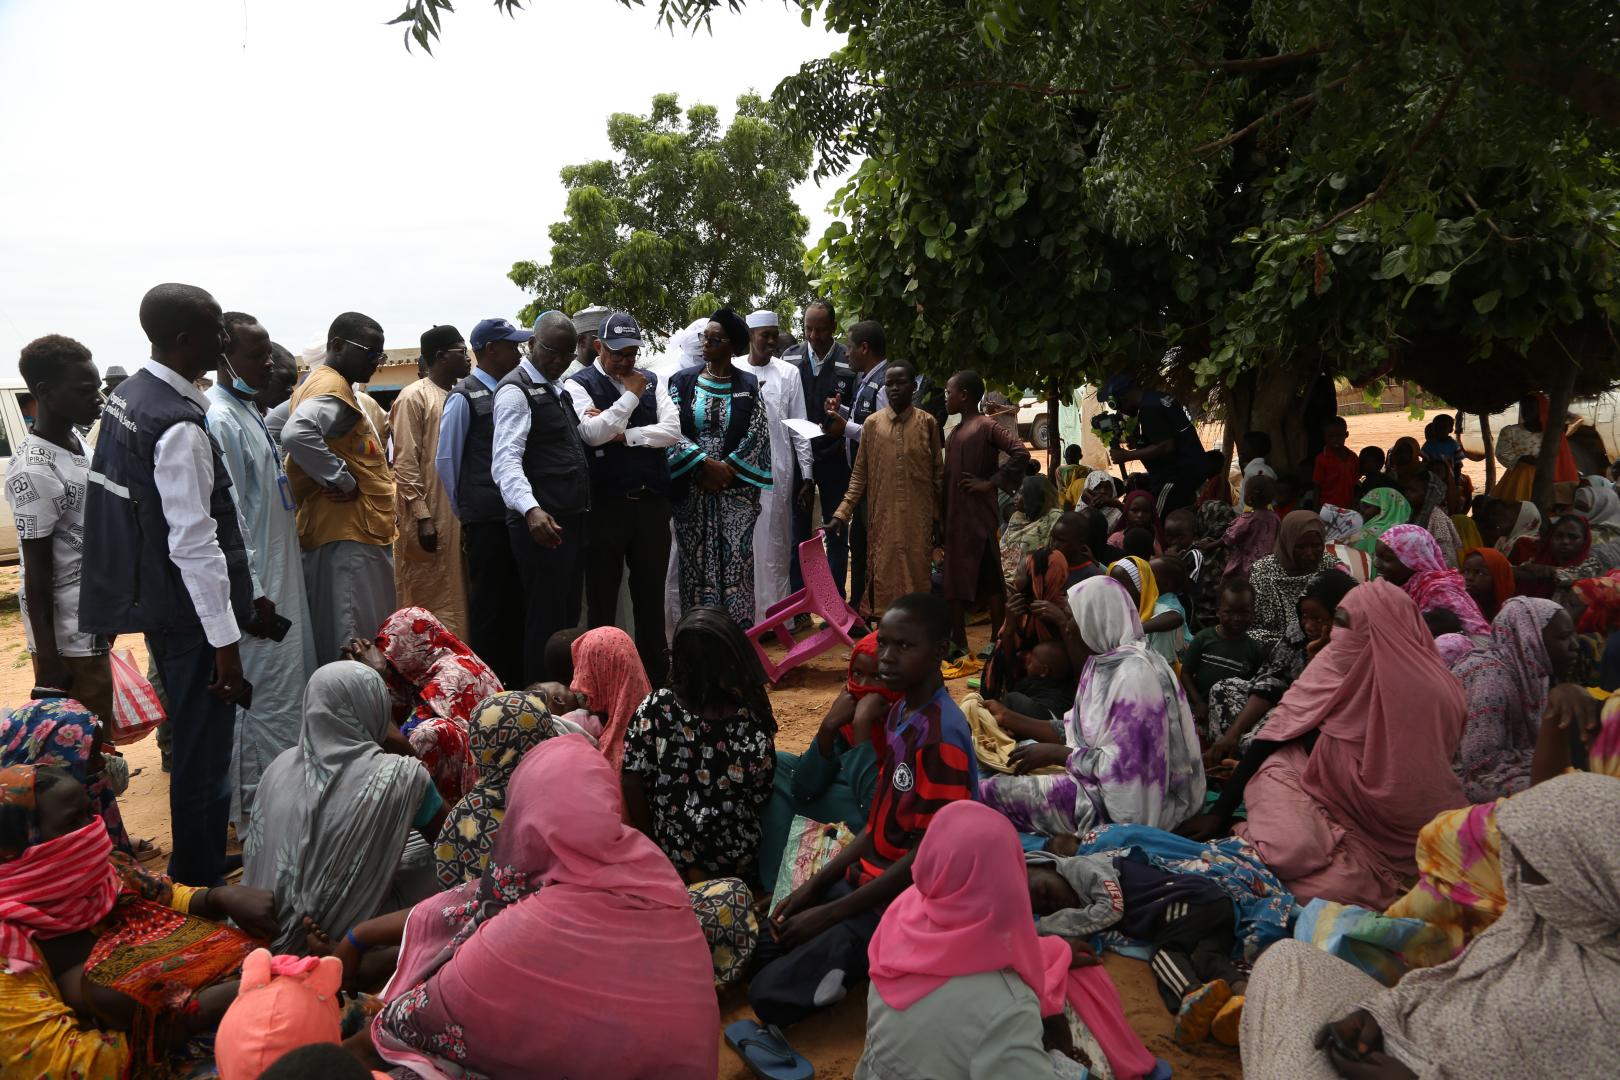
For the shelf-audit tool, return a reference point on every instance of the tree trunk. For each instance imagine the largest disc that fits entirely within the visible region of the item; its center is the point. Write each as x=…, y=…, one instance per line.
x=1551, y=432
x=1490, y=452
x=1276, y=406
x=1054, y=440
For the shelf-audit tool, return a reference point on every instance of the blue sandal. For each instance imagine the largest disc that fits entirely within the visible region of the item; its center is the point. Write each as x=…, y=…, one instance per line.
x=766, y=1052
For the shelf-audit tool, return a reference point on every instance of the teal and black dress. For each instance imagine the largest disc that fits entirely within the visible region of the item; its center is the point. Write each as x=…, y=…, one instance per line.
x=722, y=419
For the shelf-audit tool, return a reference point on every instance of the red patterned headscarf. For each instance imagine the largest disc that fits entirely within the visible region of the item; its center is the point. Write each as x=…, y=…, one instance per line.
x=431, y=669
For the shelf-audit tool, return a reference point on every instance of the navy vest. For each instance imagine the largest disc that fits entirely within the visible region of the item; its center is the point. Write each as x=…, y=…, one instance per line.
x=478, y=497
x=617, y=469
x=836, y=377
x=129, y=584
x=553, y=455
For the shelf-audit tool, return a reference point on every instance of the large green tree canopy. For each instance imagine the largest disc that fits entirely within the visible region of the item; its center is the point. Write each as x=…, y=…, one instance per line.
x=686, y=218
x=1051, y=189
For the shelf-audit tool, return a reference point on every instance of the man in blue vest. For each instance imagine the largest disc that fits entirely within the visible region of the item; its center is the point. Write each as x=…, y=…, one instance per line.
x=540, y=466
x=824, y=368
x=627, y=421
x=463, y=459
x=164, y=556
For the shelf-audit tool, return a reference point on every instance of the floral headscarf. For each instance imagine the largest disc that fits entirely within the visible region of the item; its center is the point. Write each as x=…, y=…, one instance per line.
x=1393, y=509
x=1517, y=642
x=62, y=732
x=1602, y=598
x=506, y=727
x=1433, y=584
x=436, y=682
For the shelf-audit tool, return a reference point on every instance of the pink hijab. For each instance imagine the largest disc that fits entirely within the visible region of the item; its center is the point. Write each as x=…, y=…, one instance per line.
x=967, y=912
x=579, y=924
x=1390, y=715
x=1433, y=584
x=608, y=671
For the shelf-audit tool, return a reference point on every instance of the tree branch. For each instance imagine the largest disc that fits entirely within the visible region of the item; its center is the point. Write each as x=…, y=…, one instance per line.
x=1302, y=102
x=1261, y=63
x=1395, y=169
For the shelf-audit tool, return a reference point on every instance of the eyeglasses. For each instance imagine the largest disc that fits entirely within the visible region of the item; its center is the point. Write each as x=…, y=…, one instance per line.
x=537, y=346
x=716, y=339
x=371, y=354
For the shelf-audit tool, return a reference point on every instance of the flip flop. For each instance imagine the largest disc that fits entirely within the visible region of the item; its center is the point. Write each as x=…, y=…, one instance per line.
x=766, y=1052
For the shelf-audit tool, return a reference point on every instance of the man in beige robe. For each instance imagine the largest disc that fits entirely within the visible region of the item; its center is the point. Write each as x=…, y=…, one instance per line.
x=900, y=472
x=428, y=570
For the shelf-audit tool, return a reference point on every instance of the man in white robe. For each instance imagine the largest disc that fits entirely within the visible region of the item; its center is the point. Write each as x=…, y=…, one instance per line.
x=783, y=391
x=277, y=670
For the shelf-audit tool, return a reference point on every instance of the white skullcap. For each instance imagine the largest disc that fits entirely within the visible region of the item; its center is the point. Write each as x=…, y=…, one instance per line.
x=762, y=318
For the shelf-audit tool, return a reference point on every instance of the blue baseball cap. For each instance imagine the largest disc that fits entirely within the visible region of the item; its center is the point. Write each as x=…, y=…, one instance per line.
x=620, y=331
x=1114, y=388
x=490, y=330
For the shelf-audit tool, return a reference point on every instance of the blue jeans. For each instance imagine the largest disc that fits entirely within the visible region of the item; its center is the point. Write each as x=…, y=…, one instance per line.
x=202, y=727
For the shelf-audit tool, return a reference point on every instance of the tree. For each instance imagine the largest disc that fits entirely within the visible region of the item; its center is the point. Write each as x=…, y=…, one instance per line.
x=1284, y=190
x=686, y=219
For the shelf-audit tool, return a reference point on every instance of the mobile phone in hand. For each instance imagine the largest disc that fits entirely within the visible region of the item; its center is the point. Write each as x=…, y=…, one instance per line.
x=275, y=629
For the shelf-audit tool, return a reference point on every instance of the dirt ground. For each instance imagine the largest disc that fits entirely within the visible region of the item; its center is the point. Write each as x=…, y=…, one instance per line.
x=833, y=1040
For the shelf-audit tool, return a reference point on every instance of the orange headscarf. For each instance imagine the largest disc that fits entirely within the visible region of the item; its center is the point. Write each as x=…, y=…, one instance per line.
x=1564, y=472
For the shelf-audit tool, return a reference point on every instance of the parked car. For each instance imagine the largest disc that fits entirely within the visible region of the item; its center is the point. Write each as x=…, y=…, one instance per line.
x=1597, y=436
x=16, y=403
x=1033, y=422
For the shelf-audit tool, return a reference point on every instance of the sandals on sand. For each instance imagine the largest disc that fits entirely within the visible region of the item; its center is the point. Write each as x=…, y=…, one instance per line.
x=767, y=1053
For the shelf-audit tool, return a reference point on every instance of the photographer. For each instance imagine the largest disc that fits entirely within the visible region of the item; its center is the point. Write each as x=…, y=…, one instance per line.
x=1164, y=441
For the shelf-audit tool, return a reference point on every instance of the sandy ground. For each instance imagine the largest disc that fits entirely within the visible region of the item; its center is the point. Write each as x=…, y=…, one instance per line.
x=833, y=1040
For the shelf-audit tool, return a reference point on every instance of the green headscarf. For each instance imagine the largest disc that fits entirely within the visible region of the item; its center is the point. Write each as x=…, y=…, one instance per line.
x=1393, y=509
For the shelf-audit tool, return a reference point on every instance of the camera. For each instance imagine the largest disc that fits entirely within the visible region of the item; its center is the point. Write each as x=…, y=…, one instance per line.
x=1109, y=426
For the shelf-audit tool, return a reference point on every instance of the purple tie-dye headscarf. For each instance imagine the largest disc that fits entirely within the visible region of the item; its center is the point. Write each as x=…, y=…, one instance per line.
x=1433, y=584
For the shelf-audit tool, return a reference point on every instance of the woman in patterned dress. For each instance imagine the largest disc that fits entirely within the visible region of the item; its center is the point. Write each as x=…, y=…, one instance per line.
x=700, y=757
x=718, y=471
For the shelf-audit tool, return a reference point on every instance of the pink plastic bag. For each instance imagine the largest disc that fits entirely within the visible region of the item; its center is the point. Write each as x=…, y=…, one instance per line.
x=136, y=708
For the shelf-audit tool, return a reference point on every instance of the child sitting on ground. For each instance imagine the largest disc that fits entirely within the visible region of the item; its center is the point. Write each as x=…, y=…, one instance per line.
x=1046, y=691
x=1224, y=651
x=817, y=943
x=1187, y=921
x=1138, y=542
x=1167, y=631
x=1071, y=476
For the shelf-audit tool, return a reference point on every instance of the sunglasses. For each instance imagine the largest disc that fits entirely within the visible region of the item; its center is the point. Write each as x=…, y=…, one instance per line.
x=371, y=354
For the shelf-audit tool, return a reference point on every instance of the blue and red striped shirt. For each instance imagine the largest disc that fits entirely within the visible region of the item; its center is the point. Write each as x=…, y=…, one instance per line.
x=928, y=762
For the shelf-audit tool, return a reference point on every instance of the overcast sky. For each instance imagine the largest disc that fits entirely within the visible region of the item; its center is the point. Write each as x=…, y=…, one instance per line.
x=292, y=158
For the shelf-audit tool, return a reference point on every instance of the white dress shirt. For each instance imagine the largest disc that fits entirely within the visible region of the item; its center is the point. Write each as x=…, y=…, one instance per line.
x=453, y=428
x=512, y=417
x=183, y=469
x=611, y=421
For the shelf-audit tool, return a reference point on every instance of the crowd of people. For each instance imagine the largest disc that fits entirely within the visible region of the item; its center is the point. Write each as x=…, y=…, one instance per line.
x=469, y=681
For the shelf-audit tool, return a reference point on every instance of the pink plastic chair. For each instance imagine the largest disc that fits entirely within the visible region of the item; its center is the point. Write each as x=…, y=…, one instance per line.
x=818, y=597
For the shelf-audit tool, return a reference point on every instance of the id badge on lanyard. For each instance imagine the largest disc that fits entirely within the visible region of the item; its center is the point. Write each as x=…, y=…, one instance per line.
x=283, y=486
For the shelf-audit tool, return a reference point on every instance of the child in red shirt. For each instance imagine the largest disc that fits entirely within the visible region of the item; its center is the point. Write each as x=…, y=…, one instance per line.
x=1336, y=467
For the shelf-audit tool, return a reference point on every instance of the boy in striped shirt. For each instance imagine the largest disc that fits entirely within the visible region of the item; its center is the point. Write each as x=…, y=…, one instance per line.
x=818, y=936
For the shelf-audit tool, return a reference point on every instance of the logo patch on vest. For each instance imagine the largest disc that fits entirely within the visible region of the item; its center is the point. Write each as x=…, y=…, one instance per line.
x=903, y=780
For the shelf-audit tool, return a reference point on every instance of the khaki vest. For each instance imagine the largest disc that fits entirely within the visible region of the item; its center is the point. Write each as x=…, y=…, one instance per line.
x=369, y=519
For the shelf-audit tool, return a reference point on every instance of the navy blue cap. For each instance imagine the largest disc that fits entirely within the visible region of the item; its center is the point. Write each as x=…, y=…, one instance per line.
x=1114, y=387
x=620, y=331
x=489, y=330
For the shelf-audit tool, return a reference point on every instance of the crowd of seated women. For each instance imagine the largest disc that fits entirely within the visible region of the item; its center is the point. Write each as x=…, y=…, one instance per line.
x=1238, y=725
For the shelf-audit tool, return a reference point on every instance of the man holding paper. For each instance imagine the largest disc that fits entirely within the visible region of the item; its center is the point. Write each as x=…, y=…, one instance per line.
x=783, y=392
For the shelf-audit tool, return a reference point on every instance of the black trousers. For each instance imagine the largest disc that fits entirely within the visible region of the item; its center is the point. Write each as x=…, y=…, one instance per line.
x=631, y=531
x=857, y=562
x=831, y=484
x=494, y=599
x=550, y=588
x=1192, y=945
x=202, y=727
x=783, y=988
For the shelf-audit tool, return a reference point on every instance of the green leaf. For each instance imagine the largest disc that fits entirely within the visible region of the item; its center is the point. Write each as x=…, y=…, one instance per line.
x=1485, y=303
x=1422, y=229
x=1393, y=265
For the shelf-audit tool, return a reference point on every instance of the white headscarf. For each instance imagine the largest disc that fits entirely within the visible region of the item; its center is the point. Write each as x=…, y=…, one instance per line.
x=1343, y=526
x=1528, y=522
x=1130, y=716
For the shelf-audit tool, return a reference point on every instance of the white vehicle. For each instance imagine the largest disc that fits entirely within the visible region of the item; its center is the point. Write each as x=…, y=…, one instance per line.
x=1033, y=421
x=15, y=403
x=1599, y=421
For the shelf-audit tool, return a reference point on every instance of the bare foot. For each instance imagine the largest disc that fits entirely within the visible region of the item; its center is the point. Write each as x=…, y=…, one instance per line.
x=316, y=942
